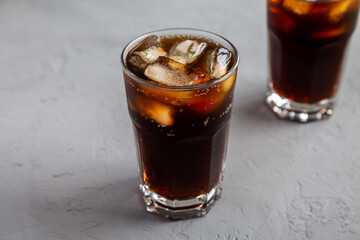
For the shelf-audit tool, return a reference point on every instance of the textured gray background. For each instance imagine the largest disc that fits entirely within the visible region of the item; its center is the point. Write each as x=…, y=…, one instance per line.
x=67, y=159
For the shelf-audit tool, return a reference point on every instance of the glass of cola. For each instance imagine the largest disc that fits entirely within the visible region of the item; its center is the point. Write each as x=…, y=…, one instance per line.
x=180, y=88
x=307, y=45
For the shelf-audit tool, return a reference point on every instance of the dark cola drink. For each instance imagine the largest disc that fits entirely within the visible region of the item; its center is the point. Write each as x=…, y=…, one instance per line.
x=307, y=43
x=179, y=90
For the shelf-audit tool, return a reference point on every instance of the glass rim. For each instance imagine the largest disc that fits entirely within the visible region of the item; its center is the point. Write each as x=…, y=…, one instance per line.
x=185, y=31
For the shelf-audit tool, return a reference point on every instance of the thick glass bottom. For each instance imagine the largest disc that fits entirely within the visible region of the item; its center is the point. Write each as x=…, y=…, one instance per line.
x=301, y=112
x=180, y=209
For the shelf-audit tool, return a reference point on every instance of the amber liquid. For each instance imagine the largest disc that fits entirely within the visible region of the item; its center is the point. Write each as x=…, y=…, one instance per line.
x=307, y=45
x=186, y=158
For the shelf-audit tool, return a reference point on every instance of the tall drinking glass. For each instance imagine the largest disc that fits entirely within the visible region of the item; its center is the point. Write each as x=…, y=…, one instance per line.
x=307, y=43
x=179, y=86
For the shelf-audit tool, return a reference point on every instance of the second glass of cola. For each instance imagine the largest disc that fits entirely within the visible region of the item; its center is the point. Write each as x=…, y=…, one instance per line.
x=307, y=43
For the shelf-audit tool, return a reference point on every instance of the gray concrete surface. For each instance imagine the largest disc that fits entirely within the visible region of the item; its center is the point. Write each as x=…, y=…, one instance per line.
x=67, y=159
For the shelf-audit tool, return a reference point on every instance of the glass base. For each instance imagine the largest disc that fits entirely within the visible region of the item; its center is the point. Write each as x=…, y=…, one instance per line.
x=302, y=112
x=180, y=209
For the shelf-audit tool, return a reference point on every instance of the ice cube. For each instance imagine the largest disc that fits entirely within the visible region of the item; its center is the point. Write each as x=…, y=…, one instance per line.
x=216, y=62
x=171, y=73
x=156, y=111
x=151, y=54
x=338, y=11
x=298, y=7
x=152, y=40
x=137, y=62
x=142, y=58
x=187, y=52
x=147, y=51
x=330, y=32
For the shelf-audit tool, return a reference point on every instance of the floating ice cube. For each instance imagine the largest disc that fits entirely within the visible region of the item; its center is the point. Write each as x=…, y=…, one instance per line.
x=298, y=7
x=338, y=11
x=136, y=61
x=150, y=41
x=171, y=73
x=216, y=62
x=156, y=111
x=330, y=32
x=187, y=51
x=151, y=54
x=142, y=58
x=161, y=113
x=147, y=51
